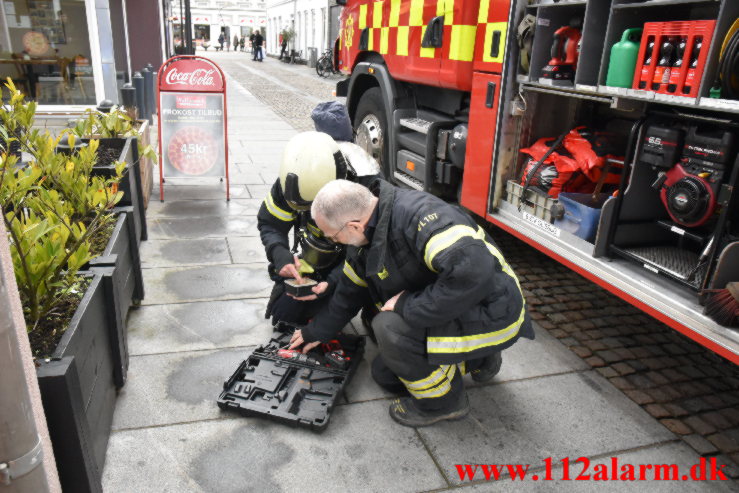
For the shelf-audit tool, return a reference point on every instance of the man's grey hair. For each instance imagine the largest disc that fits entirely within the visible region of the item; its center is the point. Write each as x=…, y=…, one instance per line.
x=341, y=201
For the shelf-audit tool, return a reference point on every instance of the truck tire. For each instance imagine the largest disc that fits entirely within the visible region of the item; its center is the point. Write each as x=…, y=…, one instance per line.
x=370, y=127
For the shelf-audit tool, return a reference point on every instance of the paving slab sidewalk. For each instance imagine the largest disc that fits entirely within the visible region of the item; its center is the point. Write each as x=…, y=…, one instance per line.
x=206, y=293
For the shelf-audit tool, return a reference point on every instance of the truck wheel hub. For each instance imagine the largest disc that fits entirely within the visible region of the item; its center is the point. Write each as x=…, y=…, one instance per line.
x=369, y=136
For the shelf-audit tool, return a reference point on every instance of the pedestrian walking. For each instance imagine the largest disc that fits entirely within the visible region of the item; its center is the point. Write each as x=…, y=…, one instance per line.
x=242, y=42
x=258, y=40
x=236, y=42
x=251, y=43
x=220, y=41
x=283, y=49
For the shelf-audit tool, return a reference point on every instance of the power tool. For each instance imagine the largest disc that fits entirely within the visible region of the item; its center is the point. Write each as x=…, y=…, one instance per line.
x=565, y=50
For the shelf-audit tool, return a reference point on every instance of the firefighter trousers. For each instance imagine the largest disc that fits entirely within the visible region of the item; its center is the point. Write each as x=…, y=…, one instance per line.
x=403, y=360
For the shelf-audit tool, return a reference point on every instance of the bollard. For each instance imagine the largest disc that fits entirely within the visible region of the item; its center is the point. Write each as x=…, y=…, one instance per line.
x=152, y=86
x=105, y=106
x=138, y=84
x=149, y=92
x=128, y=99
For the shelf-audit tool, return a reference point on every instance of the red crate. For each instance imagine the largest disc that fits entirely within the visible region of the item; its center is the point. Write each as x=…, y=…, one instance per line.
x=677, y=81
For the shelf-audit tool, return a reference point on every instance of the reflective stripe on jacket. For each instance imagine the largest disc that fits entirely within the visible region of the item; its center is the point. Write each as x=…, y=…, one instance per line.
x=457, y=285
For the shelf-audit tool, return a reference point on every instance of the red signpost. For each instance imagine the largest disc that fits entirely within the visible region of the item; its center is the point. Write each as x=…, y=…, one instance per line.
x=193, y=129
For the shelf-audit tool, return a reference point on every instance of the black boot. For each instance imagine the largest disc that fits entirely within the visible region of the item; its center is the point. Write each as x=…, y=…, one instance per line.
x=405, y=412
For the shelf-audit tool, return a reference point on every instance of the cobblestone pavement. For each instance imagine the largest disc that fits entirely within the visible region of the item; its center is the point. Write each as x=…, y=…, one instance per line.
x=690, y=390
x=291, y=91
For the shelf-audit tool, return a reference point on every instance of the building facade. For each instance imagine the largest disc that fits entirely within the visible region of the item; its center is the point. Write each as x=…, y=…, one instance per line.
x=66, y=53
x=210, y=18
x=315, y=23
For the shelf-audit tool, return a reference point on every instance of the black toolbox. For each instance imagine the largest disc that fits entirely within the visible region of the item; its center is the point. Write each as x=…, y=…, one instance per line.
x=299, y=392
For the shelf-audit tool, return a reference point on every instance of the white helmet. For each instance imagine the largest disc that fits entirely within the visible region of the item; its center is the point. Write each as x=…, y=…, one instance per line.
x=310, y=160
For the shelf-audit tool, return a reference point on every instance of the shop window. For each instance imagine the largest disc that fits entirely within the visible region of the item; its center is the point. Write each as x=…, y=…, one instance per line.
x=45, y=50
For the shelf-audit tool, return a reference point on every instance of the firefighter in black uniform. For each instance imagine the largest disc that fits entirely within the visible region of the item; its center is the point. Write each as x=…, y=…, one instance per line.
x=450, y=302
x=310, y=160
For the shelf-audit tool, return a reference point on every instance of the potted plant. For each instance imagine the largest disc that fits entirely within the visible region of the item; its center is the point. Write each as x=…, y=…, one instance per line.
x=57, y=213
x=121, y=140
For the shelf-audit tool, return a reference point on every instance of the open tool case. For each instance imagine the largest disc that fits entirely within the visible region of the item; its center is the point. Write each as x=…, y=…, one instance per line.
x=294, y=392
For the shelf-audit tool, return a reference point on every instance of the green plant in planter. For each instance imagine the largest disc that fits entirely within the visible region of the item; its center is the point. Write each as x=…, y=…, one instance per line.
x=52, y=209
x=116, y=123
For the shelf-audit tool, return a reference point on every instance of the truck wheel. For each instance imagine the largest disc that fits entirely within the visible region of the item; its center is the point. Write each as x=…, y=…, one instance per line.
x=370, y=126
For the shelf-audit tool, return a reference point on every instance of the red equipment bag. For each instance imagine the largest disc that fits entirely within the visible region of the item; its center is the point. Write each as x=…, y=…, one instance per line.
x=575, y=165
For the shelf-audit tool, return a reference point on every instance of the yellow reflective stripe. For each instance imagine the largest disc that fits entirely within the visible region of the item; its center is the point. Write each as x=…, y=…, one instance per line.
x=394, y=13
x=436, y=392
x=377, y=14
x=491, y=28
x=463, y=367
x=402, y=41
x=437, y=376
x=449, y=13
x=462, y=46
x=464, y=344
x=276, y=211
x=416, y=14
x=363, y=16
x=441, y=383
x=444, y=240
x=384, y=36
x=349, y=272
x=440, y=7
x=482, y=16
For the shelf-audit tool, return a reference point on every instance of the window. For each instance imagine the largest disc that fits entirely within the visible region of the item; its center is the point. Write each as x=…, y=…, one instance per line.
x=45, y=50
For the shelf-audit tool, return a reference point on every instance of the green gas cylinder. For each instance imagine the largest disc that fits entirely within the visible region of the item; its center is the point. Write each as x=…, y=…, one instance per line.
x=623, y=59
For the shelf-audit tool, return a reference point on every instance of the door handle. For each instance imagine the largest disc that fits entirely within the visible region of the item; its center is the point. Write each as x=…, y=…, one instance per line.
x=495, y=45
x=434, y=35
x=490, y=97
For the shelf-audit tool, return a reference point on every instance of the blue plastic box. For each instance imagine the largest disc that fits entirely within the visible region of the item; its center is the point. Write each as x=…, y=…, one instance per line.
x=582, y=214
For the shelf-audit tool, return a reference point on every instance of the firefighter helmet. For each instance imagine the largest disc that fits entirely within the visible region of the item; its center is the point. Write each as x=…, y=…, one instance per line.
x=310, y=160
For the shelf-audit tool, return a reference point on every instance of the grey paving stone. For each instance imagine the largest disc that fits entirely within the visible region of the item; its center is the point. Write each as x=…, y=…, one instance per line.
x=177, y=190
x=199, y=208
x=174, y=388
x=247, y=250
x=362, y=387
x=259, y=191
x=206, y=283
x=173, y=253
x=239, y=177
x=202, y=226
x=527, y=421
x=194, y=326
x=670, y=453
x=362, y=450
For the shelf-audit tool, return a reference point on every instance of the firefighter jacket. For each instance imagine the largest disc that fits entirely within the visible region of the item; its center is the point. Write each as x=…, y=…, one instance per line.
x=276, y=218
x=456, y=284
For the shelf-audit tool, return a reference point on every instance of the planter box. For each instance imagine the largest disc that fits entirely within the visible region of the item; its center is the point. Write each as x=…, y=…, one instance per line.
x=121, y=264
x=130, y=184
x=78, y=390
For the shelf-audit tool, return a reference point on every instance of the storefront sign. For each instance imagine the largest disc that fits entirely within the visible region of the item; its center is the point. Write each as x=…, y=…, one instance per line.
x=193, y=138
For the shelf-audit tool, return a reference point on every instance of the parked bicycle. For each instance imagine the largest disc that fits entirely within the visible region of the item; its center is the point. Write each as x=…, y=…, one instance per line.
x=325, y=64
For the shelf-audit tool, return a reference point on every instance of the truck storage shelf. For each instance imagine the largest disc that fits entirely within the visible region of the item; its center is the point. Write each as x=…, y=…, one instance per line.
x=661, y=295
x=606, y=96
x=560, y=4
x=659, y=3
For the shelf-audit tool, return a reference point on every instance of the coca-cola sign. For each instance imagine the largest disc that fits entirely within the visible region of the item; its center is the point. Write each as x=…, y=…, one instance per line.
x=191, y=75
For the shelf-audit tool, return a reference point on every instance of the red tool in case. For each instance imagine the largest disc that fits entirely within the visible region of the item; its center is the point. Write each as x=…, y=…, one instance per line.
x=672, y=57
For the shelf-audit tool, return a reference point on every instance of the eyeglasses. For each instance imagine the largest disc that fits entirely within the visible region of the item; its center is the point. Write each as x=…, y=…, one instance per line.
x=333, y=236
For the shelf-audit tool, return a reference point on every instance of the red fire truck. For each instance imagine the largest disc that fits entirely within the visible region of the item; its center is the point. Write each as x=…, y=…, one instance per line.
x=509, y=107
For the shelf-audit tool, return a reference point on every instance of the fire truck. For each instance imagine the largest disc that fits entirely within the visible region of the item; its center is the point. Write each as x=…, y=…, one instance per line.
x=601, y=132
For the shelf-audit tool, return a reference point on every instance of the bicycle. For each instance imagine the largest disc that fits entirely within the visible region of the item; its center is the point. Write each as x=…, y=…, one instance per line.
x=325, y=64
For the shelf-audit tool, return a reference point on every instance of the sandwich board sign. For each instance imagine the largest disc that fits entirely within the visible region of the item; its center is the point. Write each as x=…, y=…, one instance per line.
x=193, y=133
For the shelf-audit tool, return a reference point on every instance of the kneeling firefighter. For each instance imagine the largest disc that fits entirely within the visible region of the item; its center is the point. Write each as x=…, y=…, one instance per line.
x=310, y=160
